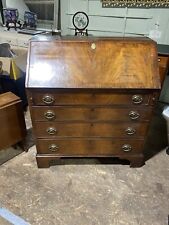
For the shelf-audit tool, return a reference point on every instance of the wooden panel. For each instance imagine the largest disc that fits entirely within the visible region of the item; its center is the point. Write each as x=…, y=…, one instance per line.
x=13, y=129
x=93, y=63
x=88, y=99
x=163, y=62
x=8, y=98
x=89, y=129
x=89, y=113
x=92, y=147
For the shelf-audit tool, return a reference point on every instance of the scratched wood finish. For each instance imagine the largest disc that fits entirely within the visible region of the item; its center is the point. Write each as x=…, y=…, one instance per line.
x=13, y=129
x=93, y=63
x=92, y=147
x=92, y=83
x=74, y=113
x=163, y=62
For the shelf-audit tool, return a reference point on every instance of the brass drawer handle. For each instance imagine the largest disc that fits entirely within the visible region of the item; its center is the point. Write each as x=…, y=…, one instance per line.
x=49, y=115
x=48, y=99
x=134, y=115
x=137, y=99
x=126, y=148
x=130, y=131
x=53, y=148
x=51, y=130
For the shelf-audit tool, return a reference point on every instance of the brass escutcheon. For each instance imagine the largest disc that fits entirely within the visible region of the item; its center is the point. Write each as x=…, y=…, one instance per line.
x=49, y=115
x=126, y=148
x=53, y=148
x=137, y=99
x=134, y=115
x=51, y=130
x=48, y=99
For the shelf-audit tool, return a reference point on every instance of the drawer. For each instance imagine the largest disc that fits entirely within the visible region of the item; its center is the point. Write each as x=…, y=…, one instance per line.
x=59, y=129
x=163, y=62
x=90, y=99
x=59, y=113
x=89, y=147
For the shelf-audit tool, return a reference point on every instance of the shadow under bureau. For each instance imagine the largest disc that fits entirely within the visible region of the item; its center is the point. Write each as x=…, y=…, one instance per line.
x=92, y=97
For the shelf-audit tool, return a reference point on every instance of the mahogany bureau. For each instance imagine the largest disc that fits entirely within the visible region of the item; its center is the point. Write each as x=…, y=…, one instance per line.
x=13, y=128
x=92, y=97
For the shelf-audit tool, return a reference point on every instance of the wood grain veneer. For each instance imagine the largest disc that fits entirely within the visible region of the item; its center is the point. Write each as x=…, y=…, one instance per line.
x=92, y=97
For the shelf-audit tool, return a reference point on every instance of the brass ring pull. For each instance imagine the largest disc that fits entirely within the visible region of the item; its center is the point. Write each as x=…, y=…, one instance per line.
x=51, y=130
x=48, y=99
x=53, y=148
x=126, y=148
x=49, y=115
x=130, y=131
x=137, y=99
x=134, y=115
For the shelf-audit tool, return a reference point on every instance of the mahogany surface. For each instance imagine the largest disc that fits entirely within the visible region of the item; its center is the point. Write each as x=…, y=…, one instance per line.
x=163, y=62
x=90, y=147
x=90, y=113
x=13, y=129
x=92, y=97
x=93, y=63
x=92, y=129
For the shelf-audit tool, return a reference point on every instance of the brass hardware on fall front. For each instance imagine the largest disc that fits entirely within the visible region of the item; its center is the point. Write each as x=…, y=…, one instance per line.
x=51, y=130
x=49, y=115
x=134, y=115
x=126, y=148
x=53, y=148
x=108, y=115
x=137, y=99
x=93, y=46
x=130, y=131
x=48, y=99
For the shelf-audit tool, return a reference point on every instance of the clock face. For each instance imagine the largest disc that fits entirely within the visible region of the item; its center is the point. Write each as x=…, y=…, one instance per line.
x=80, y=20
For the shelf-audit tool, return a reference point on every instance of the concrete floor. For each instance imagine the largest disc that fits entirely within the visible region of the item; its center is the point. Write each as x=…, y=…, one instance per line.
x=86, y=194
x=90, y=191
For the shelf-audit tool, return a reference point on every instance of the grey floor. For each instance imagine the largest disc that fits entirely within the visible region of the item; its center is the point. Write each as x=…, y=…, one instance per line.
x=90, y=192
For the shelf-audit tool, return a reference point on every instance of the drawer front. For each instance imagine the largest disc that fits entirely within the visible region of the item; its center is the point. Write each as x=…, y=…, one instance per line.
x=91, y=147
x=58, y=113
x=49, y=130
x=90, y=99
x=163, y=62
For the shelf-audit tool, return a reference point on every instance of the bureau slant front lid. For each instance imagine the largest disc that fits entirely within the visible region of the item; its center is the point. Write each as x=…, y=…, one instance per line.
x=129, y=63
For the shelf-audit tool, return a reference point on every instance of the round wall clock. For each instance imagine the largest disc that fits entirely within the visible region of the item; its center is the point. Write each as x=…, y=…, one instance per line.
x=80, y=22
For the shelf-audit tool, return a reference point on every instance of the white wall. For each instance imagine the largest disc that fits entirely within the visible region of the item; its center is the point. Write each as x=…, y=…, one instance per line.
x=116, y=22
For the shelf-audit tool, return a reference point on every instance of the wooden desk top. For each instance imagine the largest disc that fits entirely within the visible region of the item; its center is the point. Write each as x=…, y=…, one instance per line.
x=128, y=63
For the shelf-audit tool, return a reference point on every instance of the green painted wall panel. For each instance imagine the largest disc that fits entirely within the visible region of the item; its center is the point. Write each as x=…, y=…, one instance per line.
x=116, y=22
